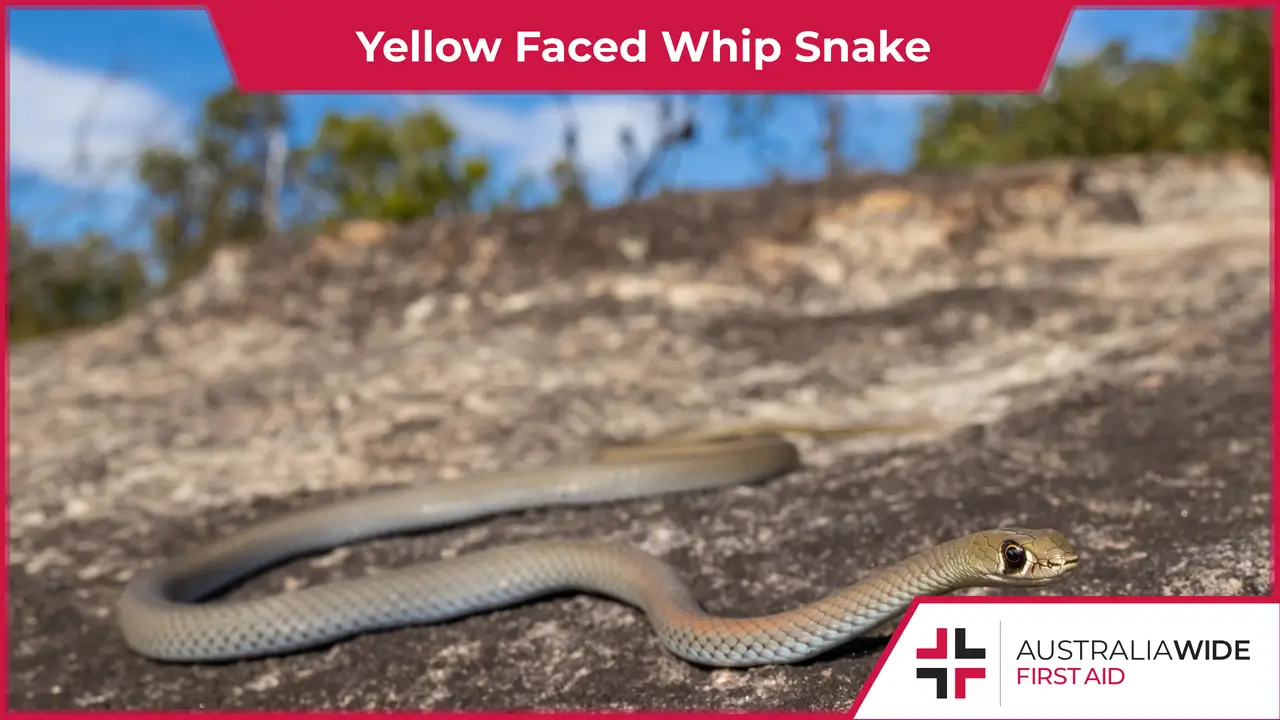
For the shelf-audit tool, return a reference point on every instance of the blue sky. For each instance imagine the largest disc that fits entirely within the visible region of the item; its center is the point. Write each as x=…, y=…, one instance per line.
x=89, y=88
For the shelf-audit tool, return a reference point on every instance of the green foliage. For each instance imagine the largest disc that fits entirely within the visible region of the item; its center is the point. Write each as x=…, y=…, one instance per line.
x=569, y=182
x=54, y=287
x=217, y=191
x=1214, y=99
x=222, y=190
x=369, y=168
x=1228, y=67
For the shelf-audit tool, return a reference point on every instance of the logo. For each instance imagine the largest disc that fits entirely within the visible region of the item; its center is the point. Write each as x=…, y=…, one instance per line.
x=962, y=673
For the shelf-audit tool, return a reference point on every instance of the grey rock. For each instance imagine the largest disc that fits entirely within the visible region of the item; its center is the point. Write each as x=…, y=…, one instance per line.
x=1095, y=337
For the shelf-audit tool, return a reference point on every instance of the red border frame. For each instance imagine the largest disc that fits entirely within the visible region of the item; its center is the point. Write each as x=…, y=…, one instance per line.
x=1273, y=598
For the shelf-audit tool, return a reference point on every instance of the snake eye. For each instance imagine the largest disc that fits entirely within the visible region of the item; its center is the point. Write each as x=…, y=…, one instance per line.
x=1013, y=555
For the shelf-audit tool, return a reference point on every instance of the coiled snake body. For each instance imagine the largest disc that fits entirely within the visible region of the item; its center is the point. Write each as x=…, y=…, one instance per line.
x=160, y=617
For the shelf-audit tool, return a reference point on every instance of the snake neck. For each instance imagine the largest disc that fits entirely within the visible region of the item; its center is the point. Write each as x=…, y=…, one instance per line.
x=887, y=593
x=812, y=629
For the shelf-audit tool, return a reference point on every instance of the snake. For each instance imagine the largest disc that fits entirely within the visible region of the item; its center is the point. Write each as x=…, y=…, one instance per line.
x=166, y=612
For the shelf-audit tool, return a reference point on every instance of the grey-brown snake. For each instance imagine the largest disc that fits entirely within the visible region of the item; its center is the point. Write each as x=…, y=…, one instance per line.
x=160, y=616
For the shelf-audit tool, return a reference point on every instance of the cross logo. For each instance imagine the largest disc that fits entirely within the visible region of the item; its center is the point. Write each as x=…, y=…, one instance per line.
x=962, y=674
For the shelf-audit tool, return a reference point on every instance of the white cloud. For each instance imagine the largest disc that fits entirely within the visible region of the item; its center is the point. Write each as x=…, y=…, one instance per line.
x=82, y=128
x=534, y=138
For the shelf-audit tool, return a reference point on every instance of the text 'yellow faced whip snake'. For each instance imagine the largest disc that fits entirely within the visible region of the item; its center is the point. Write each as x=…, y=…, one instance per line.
x=161, y=616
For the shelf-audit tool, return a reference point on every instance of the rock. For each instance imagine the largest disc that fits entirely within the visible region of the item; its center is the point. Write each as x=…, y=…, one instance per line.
x=1095, y=334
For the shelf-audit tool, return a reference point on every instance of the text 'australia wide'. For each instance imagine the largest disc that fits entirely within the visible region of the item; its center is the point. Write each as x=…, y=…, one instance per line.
x=740, y=46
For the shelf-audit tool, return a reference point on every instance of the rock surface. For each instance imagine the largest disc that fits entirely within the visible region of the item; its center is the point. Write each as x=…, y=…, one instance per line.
x=1095, y=335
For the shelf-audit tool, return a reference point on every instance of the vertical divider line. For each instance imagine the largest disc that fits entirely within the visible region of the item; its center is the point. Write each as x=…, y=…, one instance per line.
x=1000, y=663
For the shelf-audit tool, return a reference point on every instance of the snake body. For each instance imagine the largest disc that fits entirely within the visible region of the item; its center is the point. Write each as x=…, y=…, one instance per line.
x=161, y=617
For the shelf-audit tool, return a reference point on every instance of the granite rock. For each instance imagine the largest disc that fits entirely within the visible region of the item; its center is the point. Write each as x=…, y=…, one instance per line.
x=1093, y=338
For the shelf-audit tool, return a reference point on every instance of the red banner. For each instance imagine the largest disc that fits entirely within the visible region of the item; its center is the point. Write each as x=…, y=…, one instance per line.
x=675, y=45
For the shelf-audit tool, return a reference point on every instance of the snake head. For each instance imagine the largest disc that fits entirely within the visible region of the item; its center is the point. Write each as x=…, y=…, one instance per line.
x=1024, y=558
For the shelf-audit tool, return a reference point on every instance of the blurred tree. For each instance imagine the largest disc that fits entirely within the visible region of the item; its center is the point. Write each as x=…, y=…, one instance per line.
x=964, y=130
x=1228, y=71
x=568, y=181
x=1216, y=98
x=366, y=167
x=675, y=130
x=219, y=191
x=59, y=286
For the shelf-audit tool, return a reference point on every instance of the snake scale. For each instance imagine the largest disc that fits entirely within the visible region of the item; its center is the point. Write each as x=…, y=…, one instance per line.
x=161, y=616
